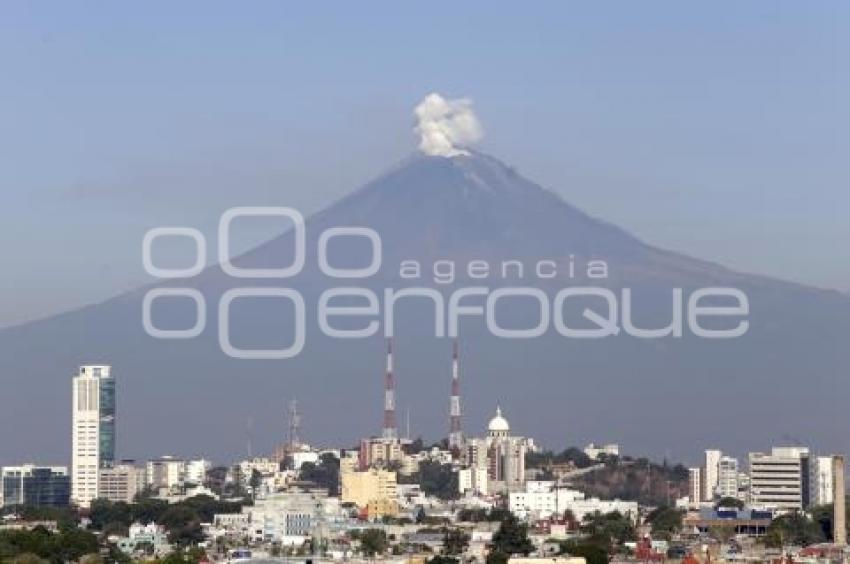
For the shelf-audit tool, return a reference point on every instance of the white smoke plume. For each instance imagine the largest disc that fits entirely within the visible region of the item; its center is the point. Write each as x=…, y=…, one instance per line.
x=445, y=127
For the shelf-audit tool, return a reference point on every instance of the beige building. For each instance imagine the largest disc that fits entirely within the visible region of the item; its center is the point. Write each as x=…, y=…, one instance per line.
x=374, y=490
x=380, y=453
x=121, y=482
x=501, y=453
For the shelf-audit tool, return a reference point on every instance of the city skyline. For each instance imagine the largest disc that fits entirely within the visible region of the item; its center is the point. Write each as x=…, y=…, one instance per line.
x=389, y=283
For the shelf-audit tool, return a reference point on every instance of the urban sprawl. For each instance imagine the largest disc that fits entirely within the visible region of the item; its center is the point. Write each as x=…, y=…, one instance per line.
x=489, y=496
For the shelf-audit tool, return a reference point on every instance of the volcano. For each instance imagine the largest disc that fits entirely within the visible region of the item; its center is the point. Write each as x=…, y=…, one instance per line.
x=786, y=377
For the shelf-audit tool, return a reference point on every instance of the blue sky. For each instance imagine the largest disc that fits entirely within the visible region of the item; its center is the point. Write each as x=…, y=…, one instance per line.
x=716, y=129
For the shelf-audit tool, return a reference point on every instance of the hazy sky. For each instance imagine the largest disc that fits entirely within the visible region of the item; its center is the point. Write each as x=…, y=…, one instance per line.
x=719, y=129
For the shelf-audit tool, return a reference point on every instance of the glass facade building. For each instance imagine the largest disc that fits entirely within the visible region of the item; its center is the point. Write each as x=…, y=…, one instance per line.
x=38, y=486
x=107, y=420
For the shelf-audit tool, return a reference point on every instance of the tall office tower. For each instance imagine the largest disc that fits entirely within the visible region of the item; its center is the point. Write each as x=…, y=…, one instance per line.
x=839, y=509
x=390, y=430
x=93, y=430
x=455, y=435
x=710, y=473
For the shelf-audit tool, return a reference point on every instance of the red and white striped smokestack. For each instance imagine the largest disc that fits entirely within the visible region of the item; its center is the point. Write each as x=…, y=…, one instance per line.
x=455, y=435
x=390, y=430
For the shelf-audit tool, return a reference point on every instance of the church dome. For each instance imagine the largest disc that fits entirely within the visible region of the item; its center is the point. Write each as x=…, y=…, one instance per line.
x=499, y=424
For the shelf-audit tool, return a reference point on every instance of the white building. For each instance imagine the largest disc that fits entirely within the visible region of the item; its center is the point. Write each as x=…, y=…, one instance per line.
x=301, y=456
x=727, y=477
x=822, y=480
x=196, y=471
x=581, y=508
x=779, y=480
x=472, y=480
x=291, y=517
x=542, y=500
x=150, y=535
x=710, y=472
x=694, y=486
x=594, y=451
x=166, y=472
x=93, y=430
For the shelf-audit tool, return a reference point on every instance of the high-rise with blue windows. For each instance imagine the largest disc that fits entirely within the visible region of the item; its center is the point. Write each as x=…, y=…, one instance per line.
x=93, y=433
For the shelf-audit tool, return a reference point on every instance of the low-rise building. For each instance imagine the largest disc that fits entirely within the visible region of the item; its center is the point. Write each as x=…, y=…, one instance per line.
x=594, y=451
x=290, y=517
x=147, y=540
x=751, y=522
x=543, y=499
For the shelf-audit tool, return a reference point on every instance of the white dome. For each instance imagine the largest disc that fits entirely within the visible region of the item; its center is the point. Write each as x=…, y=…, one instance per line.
x=498, y=424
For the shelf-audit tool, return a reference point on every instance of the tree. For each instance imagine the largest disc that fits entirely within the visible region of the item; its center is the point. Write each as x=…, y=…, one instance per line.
x=104, y=512
x=324, y=474
x=591, y=553
x=216, y=478
x=440, y=559
x=496, y=557
x=607, y=530
x=206, y=507
x=472, y=515
x=191, y=556
x=183, y=525
x=28, y=558
x=420, y=515
x=455, y=541
x=70, y=545
x=148, y=510
x=74, y=544
x=665, y=521
x=722, y=533
x=794, y=529
x=512, y=538
x=65, y=517
x=436, y=479
x=822, y=515
x=373, y=542
x=414, y=447
x=255, y=481
x=729, y=502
